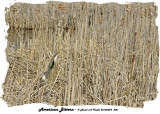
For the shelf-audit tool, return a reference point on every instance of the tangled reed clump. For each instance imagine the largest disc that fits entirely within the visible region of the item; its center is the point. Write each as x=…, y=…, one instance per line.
x=108, y=53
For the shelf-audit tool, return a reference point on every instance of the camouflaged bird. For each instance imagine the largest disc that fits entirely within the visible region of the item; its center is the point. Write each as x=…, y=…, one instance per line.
x=47, y=75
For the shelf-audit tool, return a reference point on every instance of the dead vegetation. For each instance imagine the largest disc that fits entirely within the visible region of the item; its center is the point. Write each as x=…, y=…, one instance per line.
x=108, y=54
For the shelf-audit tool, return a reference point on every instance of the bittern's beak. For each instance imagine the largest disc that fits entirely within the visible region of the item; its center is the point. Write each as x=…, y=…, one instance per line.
x=55, y=58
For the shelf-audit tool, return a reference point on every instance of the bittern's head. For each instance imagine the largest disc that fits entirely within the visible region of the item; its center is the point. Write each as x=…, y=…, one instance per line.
x=53, y=60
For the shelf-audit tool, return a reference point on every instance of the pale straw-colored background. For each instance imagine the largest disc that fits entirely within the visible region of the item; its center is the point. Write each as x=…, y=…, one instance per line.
x=149, y=107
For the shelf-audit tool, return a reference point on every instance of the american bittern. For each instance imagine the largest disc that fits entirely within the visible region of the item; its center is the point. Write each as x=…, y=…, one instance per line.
x=46, y=75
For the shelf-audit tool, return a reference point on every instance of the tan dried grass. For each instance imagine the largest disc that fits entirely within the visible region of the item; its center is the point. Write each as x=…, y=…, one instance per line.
x=108, y=54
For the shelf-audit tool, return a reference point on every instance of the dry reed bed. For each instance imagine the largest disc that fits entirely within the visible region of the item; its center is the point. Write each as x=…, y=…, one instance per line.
x=108, y=53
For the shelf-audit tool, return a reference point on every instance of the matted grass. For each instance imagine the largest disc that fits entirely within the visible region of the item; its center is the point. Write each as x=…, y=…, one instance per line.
x=107, y=54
